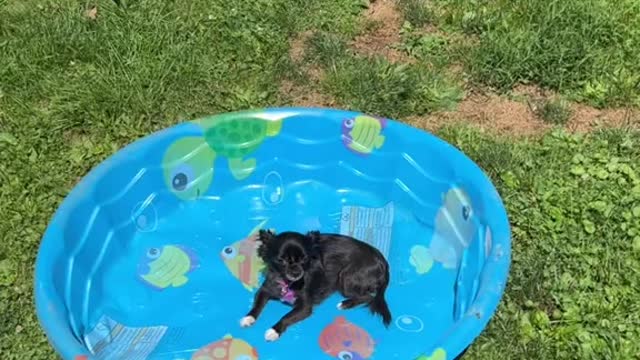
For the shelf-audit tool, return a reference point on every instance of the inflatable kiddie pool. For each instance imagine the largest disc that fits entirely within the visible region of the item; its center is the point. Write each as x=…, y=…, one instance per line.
x=151, y=254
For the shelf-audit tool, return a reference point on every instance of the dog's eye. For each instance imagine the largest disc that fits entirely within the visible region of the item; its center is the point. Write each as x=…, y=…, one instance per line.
x=229, y=252
x=345, y=355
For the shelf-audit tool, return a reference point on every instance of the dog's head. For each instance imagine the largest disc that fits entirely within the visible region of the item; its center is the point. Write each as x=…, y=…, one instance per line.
x=288, y=254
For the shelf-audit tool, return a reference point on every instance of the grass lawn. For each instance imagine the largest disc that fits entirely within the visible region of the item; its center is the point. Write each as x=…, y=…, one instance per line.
x=77, y=84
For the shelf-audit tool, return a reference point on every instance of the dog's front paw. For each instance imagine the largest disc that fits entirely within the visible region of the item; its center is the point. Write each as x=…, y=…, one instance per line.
x=271, y=335
x=247, y=321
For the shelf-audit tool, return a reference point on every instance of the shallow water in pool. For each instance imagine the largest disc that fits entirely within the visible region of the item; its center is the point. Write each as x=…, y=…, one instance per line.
x=183, y=282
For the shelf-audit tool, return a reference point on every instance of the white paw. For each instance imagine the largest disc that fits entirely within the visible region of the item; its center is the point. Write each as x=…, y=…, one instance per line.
x=271, y=335
x=339, y=306
x=247, y=321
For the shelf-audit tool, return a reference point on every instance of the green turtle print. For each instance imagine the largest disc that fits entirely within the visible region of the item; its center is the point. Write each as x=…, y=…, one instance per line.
x=188, y=162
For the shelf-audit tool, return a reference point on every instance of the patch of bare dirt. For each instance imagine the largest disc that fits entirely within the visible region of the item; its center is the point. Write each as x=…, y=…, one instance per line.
x=378, y=41
x=91, y=13
x=583, y=118
x=385, y=33
x=586, y=118
x=304, y=96
x=516, y=114
x=531, y=92
x=489, y=112
x=297, y=46
x=297, y=92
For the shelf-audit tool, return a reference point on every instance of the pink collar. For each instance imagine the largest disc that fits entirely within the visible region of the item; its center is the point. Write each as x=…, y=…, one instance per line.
x=286, y=294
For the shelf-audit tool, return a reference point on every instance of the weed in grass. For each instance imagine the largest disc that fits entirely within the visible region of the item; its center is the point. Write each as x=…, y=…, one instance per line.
x=416, y=12
x=554, y=111
x=430, y=48
x=473, y=17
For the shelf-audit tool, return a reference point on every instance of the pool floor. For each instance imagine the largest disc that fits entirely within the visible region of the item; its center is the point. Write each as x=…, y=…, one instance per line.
x=179, y=287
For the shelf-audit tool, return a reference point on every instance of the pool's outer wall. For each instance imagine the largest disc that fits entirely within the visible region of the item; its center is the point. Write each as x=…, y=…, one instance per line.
x=50, y=308
x=494, y=275
x=52, y=314
x=49, y=305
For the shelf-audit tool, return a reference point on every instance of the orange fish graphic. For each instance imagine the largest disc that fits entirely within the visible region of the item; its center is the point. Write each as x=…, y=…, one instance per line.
x=242, y=260
x=227, y=348
x=346, y=341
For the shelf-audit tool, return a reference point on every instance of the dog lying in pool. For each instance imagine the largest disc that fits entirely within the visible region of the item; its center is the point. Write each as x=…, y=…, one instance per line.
x=303, y=270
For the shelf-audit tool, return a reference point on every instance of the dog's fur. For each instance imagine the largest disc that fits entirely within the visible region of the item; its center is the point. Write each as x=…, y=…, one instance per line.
x=315, y=266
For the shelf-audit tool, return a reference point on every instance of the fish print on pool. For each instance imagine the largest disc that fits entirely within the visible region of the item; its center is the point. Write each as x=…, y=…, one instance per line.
x=162, y=267
x=346, y=341
x=188, y=163
x=228, y=348
x=363, y=133
x=242, y=260
x=420, y=259
x=454, y=228
x=438, y=354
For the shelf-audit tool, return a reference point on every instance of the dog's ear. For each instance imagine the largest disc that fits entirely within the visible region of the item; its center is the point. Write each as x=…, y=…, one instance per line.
x=314, y=237
x=265, y=237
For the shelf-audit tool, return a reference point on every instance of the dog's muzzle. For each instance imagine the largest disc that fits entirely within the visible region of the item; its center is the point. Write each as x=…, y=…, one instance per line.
x=294, y=274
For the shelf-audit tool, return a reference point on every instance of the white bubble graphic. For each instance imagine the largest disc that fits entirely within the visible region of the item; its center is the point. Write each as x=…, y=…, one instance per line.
x=145, y=216
x=409, y=323
x=273, y=189
x=142, y=221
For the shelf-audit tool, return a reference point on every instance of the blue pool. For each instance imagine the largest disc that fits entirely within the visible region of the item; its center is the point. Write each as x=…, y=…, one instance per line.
x=151, y=255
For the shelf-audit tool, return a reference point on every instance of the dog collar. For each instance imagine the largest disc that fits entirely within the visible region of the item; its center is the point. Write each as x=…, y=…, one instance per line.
x=287, y=295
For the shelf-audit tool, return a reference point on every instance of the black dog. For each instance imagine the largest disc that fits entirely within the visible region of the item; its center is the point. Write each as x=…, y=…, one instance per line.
x=303, y=270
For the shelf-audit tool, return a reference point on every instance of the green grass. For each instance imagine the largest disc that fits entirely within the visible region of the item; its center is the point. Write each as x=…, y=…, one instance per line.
x=587, y=49
x=74, y=90
x=432, y=49
x=375, y=85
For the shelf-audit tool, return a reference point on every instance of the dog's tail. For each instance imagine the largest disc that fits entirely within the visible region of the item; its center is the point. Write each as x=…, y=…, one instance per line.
x=379, y=306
